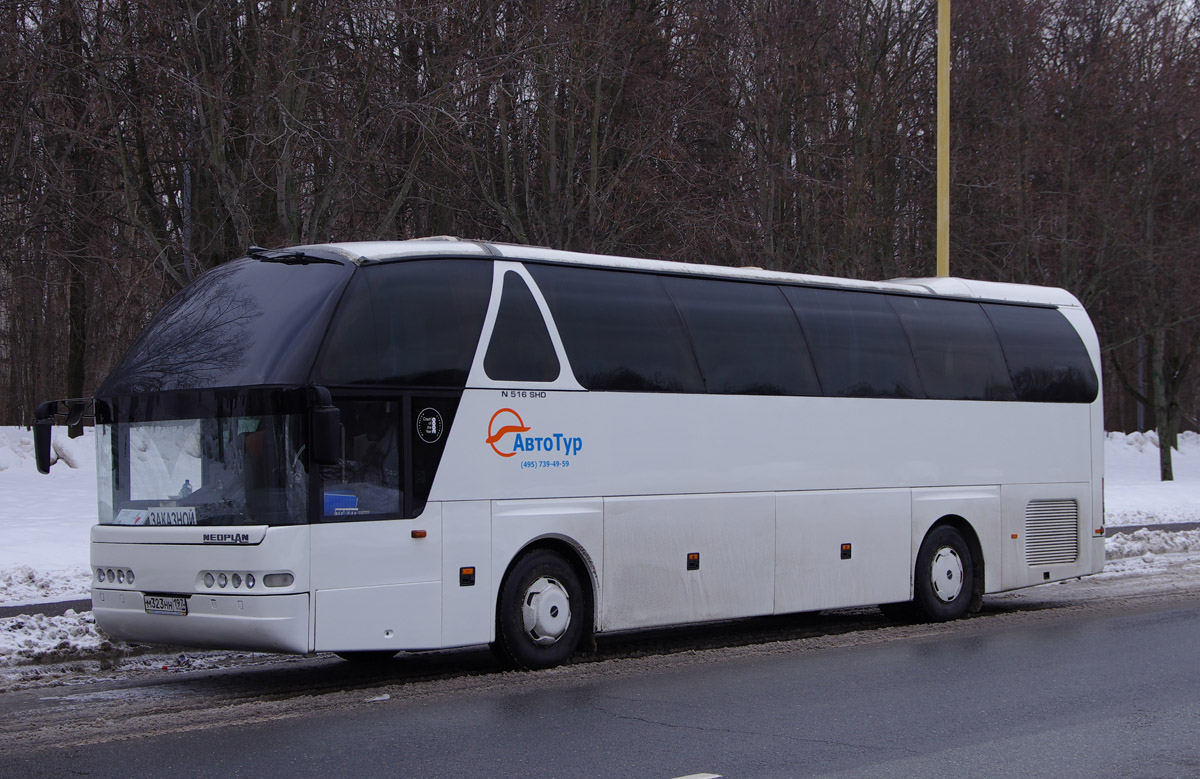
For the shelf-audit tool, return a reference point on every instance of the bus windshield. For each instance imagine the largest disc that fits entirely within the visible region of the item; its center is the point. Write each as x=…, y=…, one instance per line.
x=219, y=470
x=241, y=324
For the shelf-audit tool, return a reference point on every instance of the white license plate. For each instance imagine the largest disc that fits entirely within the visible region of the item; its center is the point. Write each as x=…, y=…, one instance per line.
x=159, y=604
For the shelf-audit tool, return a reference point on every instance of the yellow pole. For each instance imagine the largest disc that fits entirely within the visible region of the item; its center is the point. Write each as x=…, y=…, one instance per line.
x=943, y=139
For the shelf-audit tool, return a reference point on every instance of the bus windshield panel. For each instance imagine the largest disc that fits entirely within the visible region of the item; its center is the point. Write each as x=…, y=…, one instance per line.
x=213, y=470
x=240, y=324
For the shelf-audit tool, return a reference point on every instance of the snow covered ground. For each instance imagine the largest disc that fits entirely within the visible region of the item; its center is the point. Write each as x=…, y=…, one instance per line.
x=45, y=522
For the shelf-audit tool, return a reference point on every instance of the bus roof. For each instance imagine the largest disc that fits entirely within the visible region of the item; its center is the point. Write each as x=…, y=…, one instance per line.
x=367, y=252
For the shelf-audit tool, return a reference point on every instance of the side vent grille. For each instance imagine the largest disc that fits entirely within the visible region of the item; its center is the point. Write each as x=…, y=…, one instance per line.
x=1051, y=532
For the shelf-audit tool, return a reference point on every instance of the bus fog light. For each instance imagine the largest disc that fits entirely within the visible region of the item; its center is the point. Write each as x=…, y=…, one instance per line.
x=129, y=578
x=250, y=580
x=237, y=580
x=208, y=580
x=120, y=577
x=111, y=576
x=99, y=574
x=278, y=580
x=222, y=580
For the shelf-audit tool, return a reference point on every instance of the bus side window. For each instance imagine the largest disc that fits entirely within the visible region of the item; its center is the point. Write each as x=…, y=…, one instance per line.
x=1047, y=360
x=407, y=323
x=366, y=480
x=957, y=351
x=746, y=337
x=621, y=330
x=858, y=346
x=520, y=349
x=432, y=416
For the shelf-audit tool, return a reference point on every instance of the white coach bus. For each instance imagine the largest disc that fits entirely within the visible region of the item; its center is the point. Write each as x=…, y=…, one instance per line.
x=370, y=447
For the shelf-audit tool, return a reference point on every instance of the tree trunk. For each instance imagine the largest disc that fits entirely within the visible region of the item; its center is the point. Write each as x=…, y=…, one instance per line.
x=76, y=338
x=80, y=165
x=1162, y=415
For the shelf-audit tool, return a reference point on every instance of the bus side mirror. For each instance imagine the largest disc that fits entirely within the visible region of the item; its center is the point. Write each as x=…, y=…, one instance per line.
x=326, y=435
x=42, y=426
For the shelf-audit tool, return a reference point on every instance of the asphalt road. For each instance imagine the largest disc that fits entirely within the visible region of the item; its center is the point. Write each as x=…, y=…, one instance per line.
x=1093, y=678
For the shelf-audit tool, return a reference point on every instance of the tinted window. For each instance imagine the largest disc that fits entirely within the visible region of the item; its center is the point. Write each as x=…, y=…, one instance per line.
x=431, y=418
x=957, y=352
x=366, y=480
x=857, y=344
x=620, y=330
x=746, y=337
x=1046, y=359
x=408, y=323
x=520, y=349
x=243, y=323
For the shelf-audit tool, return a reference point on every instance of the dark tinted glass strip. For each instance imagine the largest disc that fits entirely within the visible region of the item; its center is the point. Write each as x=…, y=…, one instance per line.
x=746, y=337
x=520, y=348
x=1046, y=358
x=858, y=346
x=956, y=349
x=621, y=330
x=413, y=324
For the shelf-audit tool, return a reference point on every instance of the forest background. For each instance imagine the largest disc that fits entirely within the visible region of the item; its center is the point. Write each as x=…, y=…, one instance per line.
x=144, y=142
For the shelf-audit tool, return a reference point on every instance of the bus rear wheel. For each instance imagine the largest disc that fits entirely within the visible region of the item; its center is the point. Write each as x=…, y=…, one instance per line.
x=540, y=613
x=945, y=575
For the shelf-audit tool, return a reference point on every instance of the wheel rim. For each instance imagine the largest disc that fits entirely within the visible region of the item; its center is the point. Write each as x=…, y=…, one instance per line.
x=546, y=611
x=946, y=573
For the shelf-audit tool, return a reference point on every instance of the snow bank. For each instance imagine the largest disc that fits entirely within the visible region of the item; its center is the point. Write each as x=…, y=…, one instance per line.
x=1133, y=493
x=23, y=584
x=1143, y=542
x=38, y=638
x=16, y=450
x=45, y=520
x=1147, y=551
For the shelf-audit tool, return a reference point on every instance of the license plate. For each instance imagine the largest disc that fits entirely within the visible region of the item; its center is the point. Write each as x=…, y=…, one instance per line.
x=159, y=604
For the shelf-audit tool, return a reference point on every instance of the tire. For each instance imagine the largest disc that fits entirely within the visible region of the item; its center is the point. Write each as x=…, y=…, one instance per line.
x=945, y=575
x=540, y=613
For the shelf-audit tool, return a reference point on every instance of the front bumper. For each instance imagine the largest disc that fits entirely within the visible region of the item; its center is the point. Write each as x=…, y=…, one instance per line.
x=267, y=623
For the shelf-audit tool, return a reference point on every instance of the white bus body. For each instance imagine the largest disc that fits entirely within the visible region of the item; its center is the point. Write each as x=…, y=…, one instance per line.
x=665, y=507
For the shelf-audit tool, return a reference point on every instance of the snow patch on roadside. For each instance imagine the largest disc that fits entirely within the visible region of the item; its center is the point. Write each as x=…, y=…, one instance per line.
x=26, y=585
x=1150, y=542
x=1134, y=493
x=16, y=447
x=37, y=638
x=1145, y=552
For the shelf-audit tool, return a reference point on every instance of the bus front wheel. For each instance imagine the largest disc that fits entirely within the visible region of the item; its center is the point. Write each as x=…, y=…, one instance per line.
x=540, y=613
x=945, y=575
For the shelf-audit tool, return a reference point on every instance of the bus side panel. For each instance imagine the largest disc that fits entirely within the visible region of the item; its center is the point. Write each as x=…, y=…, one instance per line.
x=518, y=523
x=811, y=570
x=980, y=507
x=1095, y=527
x=647, y=542
x=612, y=443
x=376, y=583
x=468, y=602
x=387, y=617
x=1042, y=544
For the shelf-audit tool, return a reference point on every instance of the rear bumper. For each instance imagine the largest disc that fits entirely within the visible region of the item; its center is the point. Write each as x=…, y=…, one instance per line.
x=267, y=623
